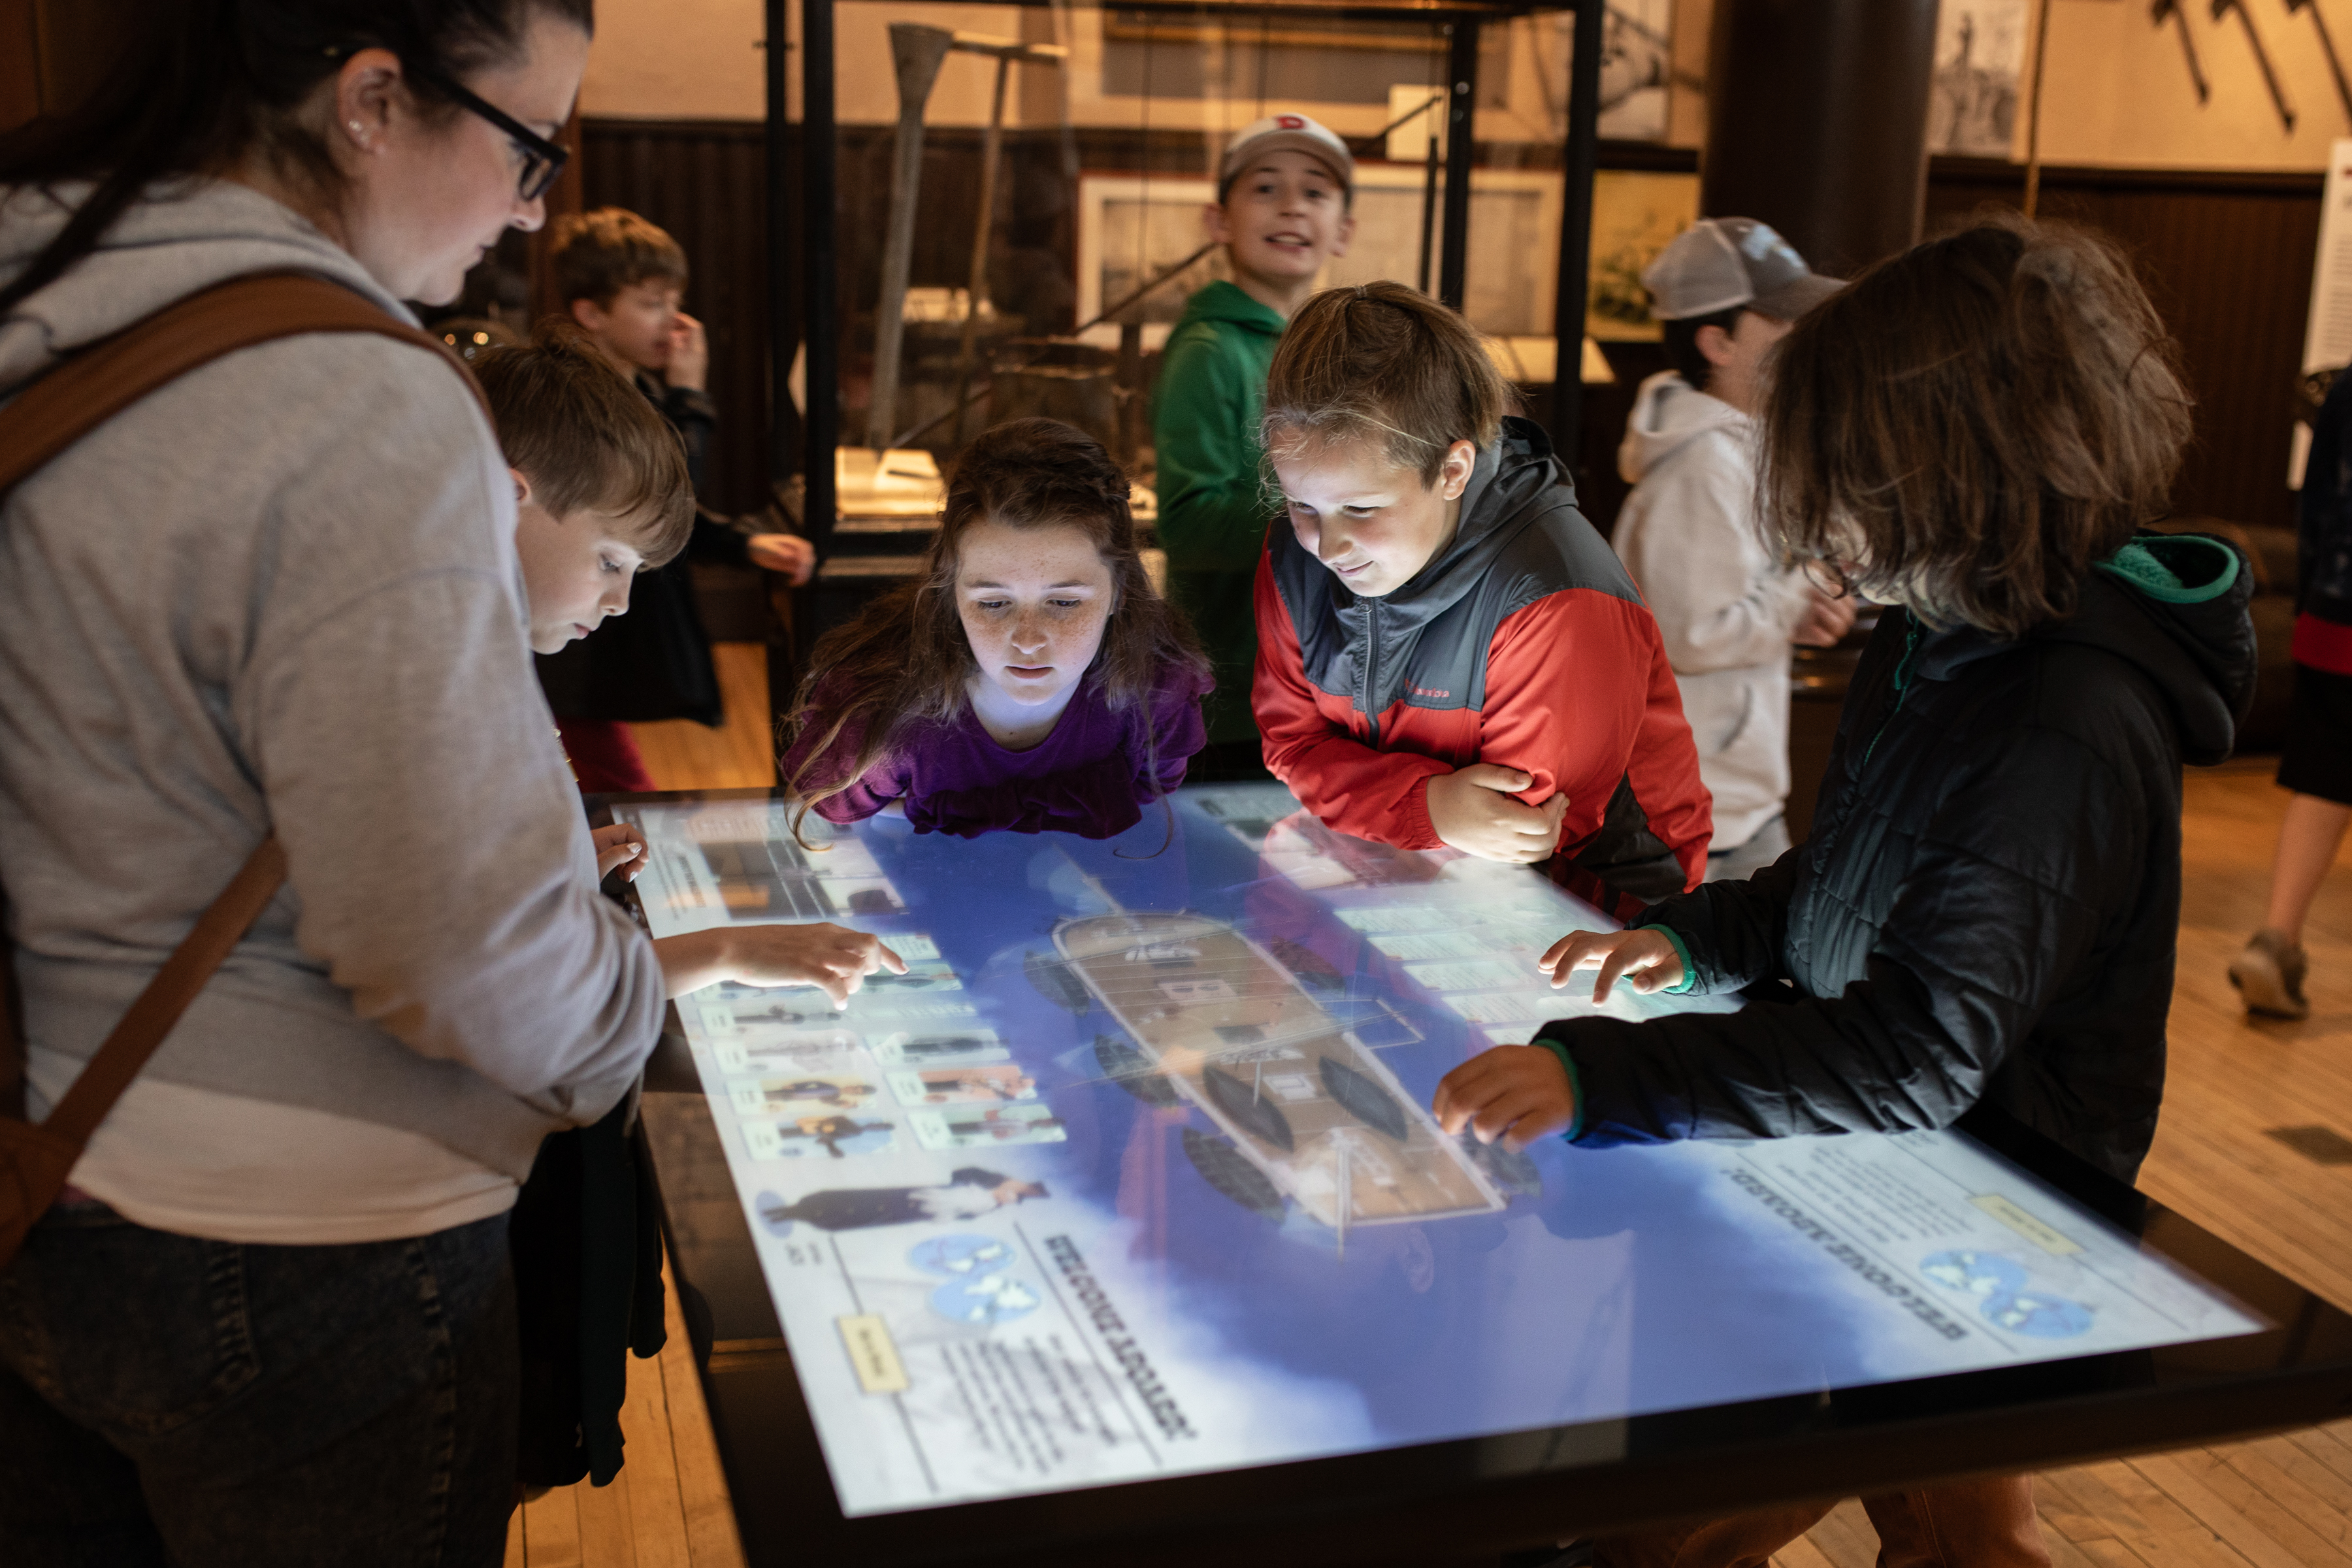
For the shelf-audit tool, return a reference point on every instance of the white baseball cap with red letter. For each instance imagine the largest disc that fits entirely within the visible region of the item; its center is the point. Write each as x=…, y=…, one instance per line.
x=1294, y=133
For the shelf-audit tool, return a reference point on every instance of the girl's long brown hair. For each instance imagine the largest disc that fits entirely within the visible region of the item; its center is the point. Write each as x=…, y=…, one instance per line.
x=1974, y=422
x=905, y=660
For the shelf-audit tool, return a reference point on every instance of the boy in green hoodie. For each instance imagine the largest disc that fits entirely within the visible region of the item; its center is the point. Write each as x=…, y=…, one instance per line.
x=1282, y=211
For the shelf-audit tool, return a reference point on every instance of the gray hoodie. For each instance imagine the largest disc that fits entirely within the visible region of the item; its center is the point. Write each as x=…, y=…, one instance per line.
x=282, y=593
x=1724, y=607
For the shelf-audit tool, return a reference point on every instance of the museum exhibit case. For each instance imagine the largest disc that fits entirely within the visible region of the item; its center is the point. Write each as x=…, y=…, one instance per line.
x=998, y=212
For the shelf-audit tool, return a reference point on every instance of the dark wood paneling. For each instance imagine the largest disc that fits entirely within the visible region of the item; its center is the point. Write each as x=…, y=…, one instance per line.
x=563, y=199
x=20, y=53
x=2227, y=257
x=704, y=183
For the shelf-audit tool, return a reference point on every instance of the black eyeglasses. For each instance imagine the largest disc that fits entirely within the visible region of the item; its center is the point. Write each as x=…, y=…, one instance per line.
x=542, y=159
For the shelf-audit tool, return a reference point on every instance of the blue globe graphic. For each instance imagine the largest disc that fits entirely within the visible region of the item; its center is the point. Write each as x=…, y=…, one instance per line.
x=1988, y=1275
x=986, y=1301
x=960, y=1256
x=2039, y=1316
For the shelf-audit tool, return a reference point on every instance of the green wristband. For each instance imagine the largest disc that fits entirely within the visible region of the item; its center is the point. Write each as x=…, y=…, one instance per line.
x=1575, y=1087
x=1690, y=969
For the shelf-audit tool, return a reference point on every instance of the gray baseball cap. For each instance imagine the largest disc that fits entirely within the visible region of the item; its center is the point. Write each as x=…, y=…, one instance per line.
x=1720, y=262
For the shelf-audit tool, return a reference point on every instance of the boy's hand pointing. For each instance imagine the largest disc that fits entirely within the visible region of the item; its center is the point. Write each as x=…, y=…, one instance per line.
x=1645, y=959
x=1515, y=1093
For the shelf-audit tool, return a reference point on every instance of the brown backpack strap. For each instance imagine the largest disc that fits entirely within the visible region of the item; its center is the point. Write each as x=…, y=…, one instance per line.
x=141, y=1029
x=102, y=381
x=61, y=407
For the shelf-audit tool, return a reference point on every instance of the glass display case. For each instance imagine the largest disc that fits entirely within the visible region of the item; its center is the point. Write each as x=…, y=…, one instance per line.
x=999, y=209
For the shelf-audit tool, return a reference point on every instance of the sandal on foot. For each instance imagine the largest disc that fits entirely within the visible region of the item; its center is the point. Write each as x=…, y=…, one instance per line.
x=2269, y=976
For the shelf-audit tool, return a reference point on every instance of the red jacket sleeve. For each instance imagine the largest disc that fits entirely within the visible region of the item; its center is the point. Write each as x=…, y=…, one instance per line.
x=1351, y=787
x=1579, y=697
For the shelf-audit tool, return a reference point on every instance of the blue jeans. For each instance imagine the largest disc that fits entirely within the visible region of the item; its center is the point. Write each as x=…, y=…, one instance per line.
x=166, y=1399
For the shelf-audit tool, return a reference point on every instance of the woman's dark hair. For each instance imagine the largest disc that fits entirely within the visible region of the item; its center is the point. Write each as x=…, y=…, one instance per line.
x=203, y=84
x=1680, y=339
x=906, y=659
x=1968, y=426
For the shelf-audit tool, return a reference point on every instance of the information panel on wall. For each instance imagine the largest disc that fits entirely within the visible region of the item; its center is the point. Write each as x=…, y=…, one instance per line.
x=1132, y=1174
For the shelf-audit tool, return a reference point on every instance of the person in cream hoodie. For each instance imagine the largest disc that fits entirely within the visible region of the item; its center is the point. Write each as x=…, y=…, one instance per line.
x=1727, y=289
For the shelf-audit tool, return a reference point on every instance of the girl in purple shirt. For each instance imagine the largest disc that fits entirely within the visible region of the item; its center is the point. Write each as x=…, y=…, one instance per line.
x=1029, y=679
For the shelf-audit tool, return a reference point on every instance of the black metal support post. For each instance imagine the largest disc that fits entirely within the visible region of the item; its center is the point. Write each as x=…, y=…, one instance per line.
x=1582, y=156
x=1428, y=203
x=1461, y=117
x=784, y=338
x=821, y=284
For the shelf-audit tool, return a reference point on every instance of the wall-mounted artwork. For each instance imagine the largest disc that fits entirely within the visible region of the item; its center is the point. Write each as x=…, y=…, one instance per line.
x=1637, y=46
x=1980, y=49
x=1633, y=216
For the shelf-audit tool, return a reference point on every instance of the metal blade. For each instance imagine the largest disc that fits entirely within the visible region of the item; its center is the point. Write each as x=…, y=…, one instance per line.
x=2261, y=57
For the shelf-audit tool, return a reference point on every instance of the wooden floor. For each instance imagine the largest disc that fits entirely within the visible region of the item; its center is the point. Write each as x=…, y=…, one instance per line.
x=2276, y=1502
x=683, y=754
x=668, y=1506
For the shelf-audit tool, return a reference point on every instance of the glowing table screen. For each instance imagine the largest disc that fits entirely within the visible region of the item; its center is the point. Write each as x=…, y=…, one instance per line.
x=1132, y=1174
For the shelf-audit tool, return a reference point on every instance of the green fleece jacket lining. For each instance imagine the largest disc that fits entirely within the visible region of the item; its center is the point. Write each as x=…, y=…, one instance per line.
x=2161, y=565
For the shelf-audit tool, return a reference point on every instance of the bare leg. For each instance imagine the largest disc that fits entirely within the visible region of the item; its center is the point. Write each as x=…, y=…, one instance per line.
x=1985, y=1523
x=2308, y=836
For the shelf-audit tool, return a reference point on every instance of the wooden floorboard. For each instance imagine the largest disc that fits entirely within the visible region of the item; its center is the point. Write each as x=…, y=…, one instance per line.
x=550, y=1530
x=683, y=754
x=2280, y=1501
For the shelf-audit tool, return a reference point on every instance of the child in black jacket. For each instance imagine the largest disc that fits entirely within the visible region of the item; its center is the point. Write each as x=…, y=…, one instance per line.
x=621, y=280
x=1987, y=910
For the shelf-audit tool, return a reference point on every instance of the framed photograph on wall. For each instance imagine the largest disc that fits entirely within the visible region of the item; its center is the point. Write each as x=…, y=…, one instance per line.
x=1634, y=213
x=1972, y=104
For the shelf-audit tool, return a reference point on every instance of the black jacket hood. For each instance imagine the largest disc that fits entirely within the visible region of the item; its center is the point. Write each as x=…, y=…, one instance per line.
x=2173, y=605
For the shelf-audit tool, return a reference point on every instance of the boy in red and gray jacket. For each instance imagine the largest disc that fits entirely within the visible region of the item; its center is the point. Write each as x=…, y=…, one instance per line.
x=1448, y=654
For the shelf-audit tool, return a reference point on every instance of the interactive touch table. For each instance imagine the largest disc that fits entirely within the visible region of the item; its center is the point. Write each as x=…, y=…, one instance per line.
x=1117, y=1229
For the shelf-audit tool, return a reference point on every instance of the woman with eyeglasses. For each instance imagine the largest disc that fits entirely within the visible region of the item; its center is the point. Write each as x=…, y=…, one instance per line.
x=271, y=1321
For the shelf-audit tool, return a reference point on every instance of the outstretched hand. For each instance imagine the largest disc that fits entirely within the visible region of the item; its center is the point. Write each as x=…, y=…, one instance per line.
x=1645, y=959
x=1472, y=810
x=1515, y=1093
x=834, y=959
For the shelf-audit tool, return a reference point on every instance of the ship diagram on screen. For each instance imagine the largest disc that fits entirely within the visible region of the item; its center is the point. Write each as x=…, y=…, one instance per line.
x=1307, y=1114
